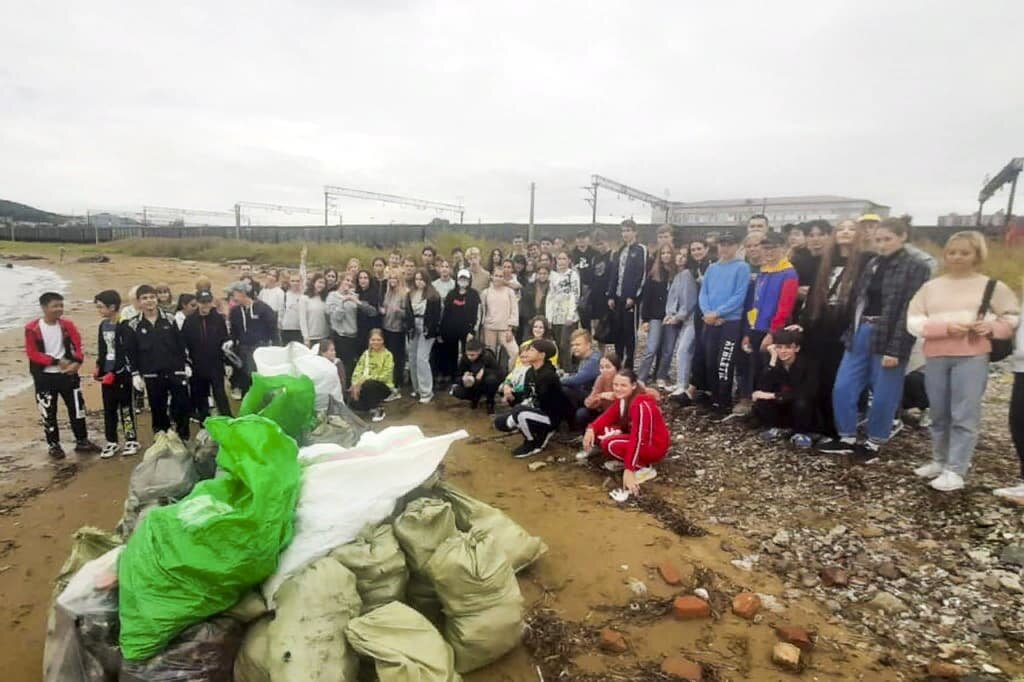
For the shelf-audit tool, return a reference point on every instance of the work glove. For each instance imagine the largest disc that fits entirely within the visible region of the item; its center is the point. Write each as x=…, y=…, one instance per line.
x=188, y=371
x=227, y=346
x=228, y=371
x=139, y=383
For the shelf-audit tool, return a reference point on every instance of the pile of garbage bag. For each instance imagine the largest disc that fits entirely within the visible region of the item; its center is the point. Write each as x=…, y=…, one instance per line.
x=291, y=544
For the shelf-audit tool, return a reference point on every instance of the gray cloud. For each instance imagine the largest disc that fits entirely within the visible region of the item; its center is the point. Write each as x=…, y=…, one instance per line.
x=201, y=104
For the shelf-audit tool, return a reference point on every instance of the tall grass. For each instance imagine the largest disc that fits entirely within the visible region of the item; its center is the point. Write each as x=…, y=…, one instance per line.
x=320, y=255
x=1003, y=263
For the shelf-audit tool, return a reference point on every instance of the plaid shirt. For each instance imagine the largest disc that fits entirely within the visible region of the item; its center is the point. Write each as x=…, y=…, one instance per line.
x=903, y=276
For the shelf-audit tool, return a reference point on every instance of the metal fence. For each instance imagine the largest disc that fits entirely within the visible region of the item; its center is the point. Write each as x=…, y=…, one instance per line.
x=374, y=235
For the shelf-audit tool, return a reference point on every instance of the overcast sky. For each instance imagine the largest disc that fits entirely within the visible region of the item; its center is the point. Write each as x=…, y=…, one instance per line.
x=117, y=104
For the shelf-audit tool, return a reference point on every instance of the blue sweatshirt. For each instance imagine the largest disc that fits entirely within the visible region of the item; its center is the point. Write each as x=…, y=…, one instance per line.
x=587, y=373
x=725, y=288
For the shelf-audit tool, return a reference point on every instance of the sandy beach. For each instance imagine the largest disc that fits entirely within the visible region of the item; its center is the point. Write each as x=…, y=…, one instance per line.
x=702, y=515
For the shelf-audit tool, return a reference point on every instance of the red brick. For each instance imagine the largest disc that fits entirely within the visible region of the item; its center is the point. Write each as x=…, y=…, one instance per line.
x=613, y=641
x=795, y=635
x=833, y=576
x=680, y=668
x=946, y=671
x=691, y=608
x=746, y=605
x=669, y=573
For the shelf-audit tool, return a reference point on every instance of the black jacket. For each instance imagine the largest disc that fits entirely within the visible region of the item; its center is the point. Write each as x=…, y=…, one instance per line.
x=460, y=315
x=253, y=326
x=798, y=382
x=528, y=309
x=155, y=348
x=652, y=305
x=121, y=364
x=486, y=362
x=204, y=336
x=583, y=262
x=633, y=277
x=431, y=317
x=543, y=389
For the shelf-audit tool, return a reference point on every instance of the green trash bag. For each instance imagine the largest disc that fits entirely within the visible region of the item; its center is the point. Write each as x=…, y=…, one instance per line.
x=287, y=401
x=197, y=557
x=483, y=606
x=404, y=646
x=422, y=527
x=305, y=640
x=379, y=564
x=521, y=548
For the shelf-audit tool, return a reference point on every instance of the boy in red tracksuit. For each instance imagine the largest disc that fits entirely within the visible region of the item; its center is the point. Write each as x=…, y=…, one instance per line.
x=632, y=432
x=54, y=349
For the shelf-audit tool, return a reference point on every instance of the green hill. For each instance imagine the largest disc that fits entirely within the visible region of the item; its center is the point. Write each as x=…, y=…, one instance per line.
x=16, y=211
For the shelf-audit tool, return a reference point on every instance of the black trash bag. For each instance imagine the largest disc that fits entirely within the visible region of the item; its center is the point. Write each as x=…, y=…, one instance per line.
x=203, y=653
x=205, y=455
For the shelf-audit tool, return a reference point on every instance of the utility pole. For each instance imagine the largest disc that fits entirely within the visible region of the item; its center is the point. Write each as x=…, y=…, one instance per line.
x=326, y=209
x=1009, y=204
x=591, y=199
x=238, y=221
x=530, y=231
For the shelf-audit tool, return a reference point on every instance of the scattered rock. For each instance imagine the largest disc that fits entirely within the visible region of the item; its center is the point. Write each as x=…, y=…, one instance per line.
x=680, y=668
x=1011, y=583
x=833, y=576
x=691, y=608
x=770, y=603
x=795, y=635
x=871, y=532
x=889, y=603
x=786, y=656
x=946, y=671
x=746, y=605
x=887, y=570
x=536, y=466
x=669, y=573
x=1012, y=554
x=835, y=534
x=702, y=593
x=94, y=259
x=781, y=538
x=809, y=580
x=613, y=641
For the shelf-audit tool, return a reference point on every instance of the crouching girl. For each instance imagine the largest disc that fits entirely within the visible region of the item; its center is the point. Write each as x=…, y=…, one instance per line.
x=632, y=432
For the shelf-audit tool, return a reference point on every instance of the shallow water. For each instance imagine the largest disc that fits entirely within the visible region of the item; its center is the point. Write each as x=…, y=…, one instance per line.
x=20, y=288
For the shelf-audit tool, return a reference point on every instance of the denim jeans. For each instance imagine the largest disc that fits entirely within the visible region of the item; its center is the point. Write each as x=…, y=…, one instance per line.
x=955, y=388
x=680, y=340
x=654, y=341
x=861, y=369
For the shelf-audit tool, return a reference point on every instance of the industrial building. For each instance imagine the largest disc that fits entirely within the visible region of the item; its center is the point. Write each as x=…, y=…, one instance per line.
x=780, y=210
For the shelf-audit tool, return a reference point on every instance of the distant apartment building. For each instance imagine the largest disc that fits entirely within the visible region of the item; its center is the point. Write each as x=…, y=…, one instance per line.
x=780, y=210
x=997, y=219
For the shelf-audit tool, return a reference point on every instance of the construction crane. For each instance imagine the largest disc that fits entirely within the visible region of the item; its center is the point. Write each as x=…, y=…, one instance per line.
x=1008, y=174
x=163, y=213
x=258, y=206
x=332, y=191
x=597, y=181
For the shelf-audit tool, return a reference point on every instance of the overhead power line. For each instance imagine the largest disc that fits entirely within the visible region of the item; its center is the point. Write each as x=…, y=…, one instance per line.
x=331, y=192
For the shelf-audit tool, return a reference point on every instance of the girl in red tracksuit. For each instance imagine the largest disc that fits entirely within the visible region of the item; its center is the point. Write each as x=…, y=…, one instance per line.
x=631, y=431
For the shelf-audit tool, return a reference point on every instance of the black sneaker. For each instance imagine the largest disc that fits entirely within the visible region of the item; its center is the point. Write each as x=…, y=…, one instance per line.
x=86, y=446
x=835, y=446
x=866, y=452
x=56, y=452
x=490, y=408
x=683, y=400
x=527, y=449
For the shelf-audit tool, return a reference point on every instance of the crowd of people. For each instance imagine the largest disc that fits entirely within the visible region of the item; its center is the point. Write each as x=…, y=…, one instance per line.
x=823, y=335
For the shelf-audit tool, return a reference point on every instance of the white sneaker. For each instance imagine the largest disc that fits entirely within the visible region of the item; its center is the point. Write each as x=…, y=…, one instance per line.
x=236, y=394
x=414, y=394
x=897, y=426
x=377, y=415
x=426, y=399
x=394, y=395
x=677, y=391
x=929, y=470
x=1015, y=491
x=614, y=465
x=109, y=450
x=948, y=482
x=660, y=384
x=131, y=447
x=646, y=474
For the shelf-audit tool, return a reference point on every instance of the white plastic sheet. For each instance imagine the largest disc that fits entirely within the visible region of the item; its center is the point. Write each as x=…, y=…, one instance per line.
x=297, y=360
x=344, y=490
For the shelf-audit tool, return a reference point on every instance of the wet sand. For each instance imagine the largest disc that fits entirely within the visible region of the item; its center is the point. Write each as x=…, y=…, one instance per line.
x=595, y=546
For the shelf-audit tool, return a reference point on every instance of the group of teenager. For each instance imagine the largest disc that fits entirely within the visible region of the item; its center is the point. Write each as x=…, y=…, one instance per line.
x=815, y=333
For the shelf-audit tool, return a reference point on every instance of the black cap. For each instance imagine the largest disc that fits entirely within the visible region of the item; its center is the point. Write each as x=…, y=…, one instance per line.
x=773, y=239
x=204, y=297
x=728, y=238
